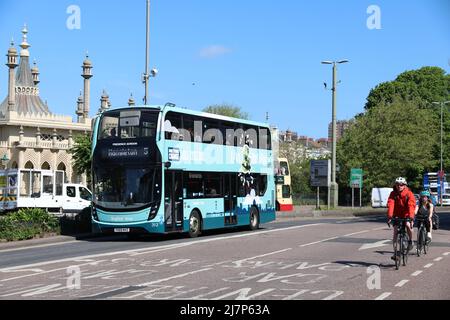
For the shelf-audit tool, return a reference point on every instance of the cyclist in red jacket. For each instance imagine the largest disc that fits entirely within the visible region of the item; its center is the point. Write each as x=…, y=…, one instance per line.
x=402, y=204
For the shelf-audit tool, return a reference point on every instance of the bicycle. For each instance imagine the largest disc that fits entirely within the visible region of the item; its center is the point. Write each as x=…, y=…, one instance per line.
x=422, y=242
x=401, y=246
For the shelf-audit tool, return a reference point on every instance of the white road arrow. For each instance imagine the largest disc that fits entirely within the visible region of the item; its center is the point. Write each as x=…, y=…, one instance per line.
x=377, y=244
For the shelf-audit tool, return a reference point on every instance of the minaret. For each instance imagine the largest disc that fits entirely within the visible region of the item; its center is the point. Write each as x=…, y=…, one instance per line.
x=80, y=108
x=12, y=64
x=131, y=101
x=87, y=75
x=35, y=73
x=24, y=45
x=104, y=102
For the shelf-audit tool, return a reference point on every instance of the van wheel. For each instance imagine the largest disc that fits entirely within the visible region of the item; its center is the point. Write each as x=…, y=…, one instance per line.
x=254, y=219
x=195, y=224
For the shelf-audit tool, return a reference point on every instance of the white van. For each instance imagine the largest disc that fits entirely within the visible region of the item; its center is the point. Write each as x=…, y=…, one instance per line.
x=46, y=189
x=380, y=197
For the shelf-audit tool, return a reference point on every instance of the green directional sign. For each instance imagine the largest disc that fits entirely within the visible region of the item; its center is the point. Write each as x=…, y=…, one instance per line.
x=356, y=178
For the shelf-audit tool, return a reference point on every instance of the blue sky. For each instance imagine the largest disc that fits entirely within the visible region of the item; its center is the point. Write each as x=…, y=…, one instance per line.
x=261, y=55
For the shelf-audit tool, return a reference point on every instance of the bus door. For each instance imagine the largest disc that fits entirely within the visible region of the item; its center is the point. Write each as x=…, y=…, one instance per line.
x=173, y=200
x=230, y=198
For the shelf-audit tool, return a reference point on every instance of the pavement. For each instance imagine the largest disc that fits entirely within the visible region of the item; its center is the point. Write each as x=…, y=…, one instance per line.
x=340, y=212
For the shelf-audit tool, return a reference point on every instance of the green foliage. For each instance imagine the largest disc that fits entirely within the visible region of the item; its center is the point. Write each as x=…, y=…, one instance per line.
x=27, y=224
x=81, y=153
x=424, y=86
x=227, y=110
x=390, y=140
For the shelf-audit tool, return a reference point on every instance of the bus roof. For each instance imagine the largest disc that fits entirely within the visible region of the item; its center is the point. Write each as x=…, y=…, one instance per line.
x=193, y=112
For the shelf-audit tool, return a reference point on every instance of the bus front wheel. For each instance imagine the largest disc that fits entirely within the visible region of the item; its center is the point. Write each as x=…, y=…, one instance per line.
x=194, y=224
x=254, y=219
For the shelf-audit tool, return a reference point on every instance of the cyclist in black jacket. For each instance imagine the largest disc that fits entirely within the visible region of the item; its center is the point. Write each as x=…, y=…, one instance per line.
x=425, y=211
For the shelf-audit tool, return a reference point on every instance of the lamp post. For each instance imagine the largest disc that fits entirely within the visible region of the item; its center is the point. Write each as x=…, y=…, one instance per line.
x=146, y=76
x=334, y=186
x=442, y=135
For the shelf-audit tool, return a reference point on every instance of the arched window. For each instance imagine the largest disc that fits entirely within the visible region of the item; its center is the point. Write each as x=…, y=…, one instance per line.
x=29, y=165
x=46, y=166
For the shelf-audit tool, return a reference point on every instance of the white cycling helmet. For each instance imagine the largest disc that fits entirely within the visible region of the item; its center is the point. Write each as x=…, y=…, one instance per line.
x=401, y=180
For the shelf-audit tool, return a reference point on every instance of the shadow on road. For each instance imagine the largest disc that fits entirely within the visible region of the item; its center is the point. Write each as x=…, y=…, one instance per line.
x=365, y=264
x=159, y=237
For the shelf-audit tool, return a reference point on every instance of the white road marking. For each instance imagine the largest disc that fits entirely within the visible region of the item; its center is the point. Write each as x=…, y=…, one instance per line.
x=174, y=277
x=381, y=228
x=428, y=265
x=263, y=255
x=155, y=249
x=415, y=274
x=438, y=259
x=401, y=283
x=316, y=242
x=446, y=254
x=39, y=246
x=44, y=272
x=355, y=233
x=383, y=296
x=377, y=244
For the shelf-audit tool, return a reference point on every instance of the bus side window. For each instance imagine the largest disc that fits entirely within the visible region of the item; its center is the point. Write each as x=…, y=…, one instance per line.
x=172, y=125
x=264, y=139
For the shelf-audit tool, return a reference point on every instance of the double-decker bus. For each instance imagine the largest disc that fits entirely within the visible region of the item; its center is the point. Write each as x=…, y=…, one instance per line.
x=283, y=185
x=165, y=169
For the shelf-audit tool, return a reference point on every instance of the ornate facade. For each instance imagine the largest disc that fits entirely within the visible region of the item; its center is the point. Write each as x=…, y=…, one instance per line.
x=31, y=136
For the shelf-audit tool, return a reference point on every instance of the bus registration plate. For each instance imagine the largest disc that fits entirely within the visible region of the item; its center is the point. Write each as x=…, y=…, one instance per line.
x=122, y=230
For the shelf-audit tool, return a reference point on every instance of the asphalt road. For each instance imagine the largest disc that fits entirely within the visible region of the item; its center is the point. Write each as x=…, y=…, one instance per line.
x=291, y=259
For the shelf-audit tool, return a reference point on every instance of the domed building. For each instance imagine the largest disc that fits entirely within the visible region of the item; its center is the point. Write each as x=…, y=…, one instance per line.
x=31, y=136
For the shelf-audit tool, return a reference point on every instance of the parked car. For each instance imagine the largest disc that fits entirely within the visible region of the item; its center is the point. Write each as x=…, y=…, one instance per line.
x=446, y=199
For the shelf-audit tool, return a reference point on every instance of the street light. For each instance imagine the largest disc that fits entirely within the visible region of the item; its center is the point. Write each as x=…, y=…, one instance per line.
x=334, y=186
x=442, y=134
x=154, y=72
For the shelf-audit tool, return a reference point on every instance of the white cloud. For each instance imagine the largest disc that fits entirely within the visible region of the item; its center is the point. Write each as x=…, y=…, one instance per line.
x=214, y=51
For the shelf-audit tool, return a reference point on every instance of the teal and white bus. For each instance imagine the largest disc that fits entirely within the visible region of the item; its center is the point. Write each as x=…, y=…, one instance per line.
x=166, y=169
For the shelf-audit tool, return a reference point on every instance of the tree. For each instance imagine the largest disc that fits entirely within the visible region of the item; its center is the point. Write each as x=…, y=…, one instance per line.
x=81, y=154
x=424, y=86
x=227, y=110
x=389, y=140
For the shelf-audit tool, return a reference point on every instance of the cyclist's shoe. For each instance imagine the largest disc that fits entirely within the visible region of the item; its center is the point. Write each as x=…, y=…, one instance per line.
x=410, y=246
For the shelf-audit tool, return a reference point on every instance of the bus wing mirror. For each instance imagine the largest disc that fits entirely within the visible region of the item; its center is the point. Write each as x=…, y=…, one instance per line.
x=167, y=165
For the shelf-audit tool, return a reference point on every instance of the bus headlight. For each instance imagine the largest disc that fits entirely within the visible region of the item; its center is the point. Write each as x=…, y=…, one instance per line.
x=153, y=212
x=94, y=214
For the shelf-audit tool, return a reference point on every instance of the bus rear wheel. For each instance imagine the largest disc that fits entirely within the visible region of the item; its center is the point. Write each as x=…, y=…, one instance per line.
x=254, y=219
x=195, y=224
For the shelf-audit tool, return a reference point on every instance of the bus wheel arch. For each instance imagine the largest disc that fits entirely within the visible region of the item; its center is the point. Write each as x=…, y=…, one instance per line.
x=195, y=223
x=254, y=218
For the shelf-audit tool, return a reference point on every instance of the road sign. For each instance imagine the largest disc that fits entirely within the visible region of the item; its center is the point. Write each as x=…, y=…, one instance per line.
x=356, y=178
x=320, y=173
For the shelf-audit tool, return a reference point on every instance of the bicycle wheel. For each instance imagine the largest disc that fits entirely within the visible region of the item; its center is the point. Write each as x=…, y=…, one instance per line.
x=419, y=243
x=405, y=250
x=425, y=243
x=397, y=247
